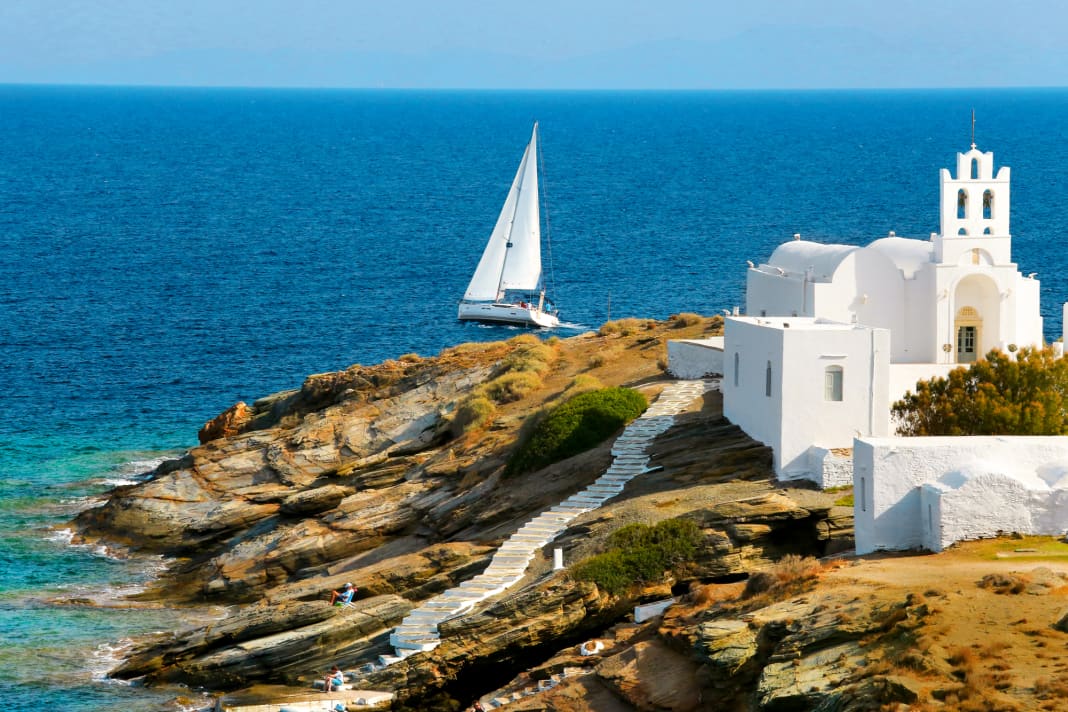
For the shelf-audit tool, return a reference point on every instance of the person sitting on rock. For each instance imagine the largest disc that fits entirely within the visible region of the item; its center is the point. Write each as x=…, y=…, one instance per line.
x=344, y=596
x=334, y=680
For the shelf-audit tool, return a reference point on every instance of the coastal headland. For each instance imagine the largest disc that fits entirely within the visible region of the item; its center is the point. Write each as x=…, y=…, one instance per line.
x=400, y=478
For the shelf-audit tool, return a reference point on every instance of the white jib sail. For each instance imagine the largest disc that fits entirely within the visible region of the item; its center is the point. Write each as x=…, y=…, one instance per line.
x=512, y=258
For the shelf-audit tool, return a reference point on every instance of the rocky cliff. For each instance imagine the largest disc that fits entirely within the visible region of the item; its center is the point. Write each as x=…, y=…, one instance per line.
x=372, y=475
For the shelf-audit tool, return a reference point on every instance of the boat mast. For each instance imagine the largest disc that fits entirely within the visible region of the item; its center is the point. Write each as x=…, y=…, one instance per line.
x=515, y=208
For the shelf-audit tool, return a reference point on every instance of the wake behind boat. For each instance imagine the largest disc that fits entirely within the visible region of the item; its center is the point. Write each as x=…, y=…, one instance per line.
x=507, y=286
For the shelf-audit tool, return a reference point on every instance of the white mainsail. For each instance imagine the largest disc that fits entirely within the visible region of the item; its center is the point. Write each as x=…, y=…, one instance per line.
x=512, y=258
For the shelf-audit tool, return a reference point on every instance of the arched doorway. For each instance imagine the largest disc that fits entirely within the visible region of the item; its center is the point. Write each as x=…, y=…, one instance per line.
x=976, y=317
x=968, y=327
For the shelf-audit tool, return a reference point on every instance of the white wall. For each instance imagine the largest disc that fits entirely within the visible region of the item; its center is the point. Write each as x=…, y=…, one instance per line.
x=774, y=295
x=744, y=401
x=930, y=492
x=1027, y=312
x=695, y=358
x=796, y=416
x=903, y=376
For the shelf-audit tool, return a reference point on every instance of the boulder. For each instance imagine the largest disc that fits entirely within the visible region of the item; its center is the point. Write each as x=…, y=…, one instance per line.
x=225, y=424
x=265, y=643
x=652, y=676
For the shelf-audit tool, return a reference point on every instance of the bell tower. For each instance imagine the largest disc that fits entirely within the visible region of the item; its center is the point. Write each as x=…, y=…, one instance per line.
x=975, y=212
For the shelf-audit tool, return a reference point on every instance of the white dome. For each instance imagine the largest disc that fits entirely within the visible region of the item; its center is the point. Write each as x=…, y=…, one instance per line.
x=798, y=256
x=907, y=254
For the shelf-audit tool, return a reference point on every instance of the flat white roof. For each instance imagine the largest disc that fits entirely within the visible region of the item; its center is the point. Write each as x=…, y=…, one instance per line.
x=804, y=323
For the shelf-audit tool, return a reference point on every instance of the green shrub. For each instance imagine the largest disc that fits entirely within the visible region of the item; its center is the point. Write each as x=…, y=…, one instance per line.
x=510, y=387
x=638, y=553
x=577, y=425
x=472, y=413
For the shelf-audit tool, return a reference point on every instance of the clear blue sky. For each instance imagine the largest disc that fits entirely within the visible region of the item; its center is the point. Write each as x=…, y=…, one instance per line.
x=540, y=44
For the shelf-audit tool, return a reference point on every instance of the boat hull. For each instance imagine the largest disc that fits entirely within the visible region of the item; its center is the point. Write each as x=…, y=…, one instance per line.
x=507, y=314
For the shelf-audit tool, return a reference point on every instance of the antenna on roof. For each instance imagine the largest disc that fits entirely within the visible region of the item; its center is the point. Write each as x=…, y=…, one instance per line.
x=973, y=129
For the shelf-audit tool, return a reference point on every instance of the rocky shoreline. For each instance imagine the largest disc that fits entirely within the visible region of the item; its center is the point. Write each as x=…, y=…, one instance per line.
x=363, y=475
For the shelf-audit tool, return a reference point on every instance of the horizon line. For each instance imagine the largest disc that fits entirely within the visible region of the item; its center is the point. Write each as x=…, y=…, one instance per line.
x=253, y=87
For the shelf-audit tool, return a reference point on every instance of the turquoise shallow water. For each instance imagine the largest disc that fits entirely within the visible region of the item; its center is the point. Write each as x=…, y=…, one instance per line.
x=166, y=253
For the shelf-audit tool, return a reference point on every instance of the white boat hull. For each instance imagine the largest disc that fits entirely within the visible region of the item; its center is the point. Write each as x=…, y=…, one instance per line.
x=507, y=314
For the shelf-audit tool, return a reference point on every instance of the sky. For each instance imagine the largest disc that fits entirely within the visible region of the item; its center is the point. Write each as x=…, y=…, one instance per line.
x=547, y=44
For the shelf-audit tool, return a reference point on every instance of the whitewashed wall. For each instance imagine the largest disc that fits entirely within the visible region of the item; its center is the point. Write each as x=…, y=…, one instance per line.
x=930, y=492
x=796, y=416
x=748, y=347
x=695, y=358
x=775, y=295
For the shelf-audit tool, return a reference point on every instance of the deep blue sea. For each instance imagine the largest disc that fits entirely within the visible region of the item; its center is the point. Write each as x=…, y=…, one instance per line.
x=167, y=252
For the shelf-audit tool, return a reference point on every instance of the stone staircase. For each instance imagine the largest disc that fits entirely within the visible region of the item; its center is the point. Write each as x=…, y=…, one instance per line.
x=418, y=632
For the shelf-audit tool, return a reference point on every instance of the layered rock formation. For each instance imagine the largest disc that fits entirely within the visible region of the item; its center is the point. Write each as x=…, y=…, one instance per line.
x=360, y=476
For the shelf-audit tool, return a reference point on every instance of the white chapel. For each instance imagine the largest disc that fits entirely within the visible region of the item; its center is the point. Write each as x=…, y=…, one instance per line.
x=834, y=334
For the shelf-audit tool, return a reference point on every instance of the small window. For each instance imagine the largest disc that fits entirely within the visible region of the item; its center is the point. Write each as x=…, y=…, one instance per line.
x=962, y=204
x=832, y=383
x=975, y=169
x=736, y=369
x=767, y=380
x=863, y=498
x=962, y=231
x=975, y=255
x=988, y=204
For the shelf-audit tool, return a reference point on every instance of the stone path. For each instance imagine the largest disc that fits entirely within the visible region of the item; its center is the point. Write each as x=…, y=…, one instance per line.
x=419, y=630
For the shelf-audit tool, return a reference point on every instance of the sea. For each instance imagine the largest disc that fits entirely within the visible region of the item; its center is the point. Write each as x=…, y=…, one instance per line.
x=167, y=252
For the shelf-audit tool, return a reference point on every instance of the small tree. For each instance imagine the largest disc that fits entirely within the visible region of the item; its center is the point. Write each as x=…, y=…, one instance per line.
x=996, y=395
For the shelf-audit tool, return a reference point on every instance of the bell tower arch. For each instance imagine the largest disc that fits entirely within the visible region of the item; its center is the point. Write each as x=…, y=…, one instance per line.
x=975, y=210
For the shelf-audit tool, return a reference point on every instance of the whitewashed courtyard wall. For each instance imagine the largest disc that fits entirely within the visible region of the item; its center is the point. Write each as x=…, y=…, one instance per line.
x=695, y=358
x=930, y=492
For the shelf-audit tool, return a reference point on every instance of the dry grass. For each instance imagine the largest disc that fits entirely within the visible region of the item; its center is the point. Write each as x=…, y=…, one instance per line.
x=582, y=383
x=511, y=386
x=788, y=575
x=473, y=413
x=536, y=357
x=1004, y=583
x=626, y=327
x=681, y=321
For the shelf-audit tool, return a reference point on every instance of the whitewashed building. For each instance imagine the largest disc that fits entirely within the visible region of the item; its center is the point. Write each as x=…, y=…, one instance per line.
x=927, y=493
x=834, y=334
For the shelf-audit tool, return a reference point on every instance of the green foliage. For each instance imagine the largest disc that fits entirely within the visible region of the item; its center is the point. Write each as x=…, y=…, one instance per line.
x=472, y=413
x=846, y=501
x=638, y=553
x=577, y=425
x=997, y=395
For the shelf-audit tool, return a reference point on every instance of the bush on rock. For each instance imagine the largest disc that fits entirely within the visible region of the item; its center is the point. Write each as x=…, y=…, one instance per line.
x=577, y=425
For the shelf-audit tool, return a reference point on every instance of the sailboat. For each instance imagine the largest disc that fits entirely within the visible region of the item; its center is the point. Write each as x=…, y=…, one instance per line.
x=507, y=287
